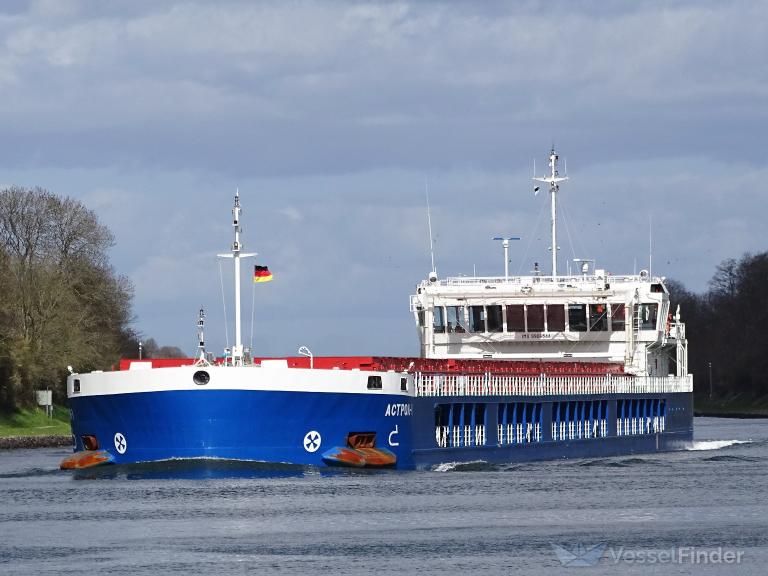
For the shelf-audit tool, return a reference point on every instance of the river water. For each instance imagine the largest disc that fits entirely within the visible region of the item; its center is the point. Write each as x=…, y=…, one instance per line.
x=699, y=511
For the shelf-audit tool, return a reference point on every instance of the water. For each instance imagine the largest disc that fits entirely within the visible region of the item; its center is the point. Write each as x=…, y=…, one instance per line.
x=229, y=518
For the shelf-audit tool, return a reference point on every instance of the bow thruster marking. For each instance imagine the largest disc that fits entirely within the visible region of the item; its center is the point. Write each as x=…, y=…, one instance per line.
x=312, y=441
x=121, y=444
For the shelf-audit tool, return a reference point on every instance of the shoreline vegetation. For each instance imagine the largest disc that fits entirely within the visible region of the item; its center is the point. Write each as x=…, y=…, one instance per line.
x=62, y=301
x=33, y=422
x=726, y=331
x=731, y=409
x=32, y=428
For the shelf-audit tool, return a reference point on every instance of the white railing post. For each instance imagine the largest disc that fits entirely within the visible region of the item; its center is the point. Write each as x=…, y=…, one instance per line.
x=489, y=384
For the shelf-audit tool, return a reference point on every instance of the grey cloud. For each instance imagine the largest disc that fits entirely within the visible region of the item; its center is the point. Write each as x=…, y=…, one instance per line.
x=330, y=115
x=381, y=76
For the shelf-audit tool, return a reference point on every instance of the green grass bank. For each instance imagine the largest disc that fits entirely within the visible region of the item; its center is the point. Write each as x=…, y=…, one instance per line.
x=34, y=422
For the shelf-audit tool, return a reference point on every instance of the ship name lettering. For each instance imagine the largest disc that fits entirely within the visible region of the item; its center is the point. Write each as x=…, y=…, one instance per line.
x=536, y=336
x=398, y=410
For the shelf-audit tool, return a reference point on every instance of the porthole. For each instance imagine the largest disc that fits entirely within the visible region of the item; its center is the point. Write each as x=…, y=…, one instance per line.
x=201, y=378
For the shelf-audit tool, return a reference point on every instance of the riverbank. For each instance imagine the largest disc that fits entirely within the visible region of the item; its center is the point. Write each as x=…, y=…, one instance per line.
x=32, y=428
x=734, y=408
x=35, y=423
x=19, y=442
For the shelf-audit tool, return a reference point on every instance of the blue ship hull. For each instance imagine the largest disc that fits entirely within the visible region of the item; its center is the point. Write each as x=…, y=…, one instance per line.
x=301, y=427
x=263, y=426
x=677, y=433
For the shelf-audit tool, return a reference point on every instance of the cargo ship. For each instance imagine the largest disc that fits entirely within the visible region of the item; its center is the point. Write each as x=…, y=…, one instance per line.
x=510, y=368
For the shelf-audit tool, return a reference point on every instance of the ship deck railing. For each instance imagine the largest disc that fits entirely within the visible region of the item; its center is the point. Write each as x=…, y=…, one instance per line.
x=541, y=280
x=488, y=384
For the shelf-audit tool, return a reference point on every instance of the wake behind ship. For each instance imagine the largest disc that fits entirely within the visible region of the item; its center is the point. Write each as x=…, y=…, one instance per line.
x=510, y=368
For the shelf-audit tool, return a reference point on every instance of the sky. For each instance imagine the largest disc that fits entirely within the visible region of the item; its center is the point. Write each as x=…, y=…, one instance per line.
x=332, y=117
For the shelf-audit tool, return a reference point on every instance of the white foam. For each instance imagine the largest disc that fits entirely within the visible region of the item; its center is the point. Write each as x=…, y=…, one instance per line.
x=716, y=444
x=448, y=466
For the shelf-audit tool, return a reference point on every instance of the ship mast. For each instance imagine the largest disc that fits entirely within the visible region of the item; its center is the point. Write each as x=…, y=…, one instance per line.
x=553, y=180
x=201, y=335
x=236, y=255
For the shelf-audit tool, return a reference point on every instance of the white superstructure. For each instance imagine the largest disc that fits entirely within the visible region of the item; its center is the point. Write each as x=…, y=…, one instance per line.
x=590, y=316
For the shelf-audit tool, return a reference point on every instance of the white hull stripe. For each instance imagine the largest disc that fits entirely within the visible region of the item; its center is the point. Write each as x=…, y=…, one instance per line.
x=235, y=378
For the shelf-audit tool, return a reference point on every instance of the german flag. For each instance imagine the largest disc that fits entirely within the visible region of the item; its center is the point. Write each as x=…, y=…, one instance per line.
x=261, y=274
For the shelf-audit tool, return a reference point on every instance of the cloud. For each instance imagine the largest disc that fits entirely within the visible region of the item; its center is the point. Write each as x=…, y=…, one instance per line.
x=374, y=84
x=330, y=115
x=292, y=214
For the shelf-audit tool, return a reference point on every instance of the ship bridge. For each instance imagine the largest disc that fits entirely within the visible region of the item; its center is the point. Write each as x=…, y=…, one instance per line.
x=596, y=317
x=592, y=316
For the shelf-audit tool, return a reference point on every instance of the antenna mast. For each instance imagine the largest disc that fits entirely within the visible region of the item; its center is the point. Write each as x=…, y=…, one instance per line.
x=237, y=349
x=433, y=273
x=505, y=245
x=553, y=180
x=650, y=246
x=201, y=335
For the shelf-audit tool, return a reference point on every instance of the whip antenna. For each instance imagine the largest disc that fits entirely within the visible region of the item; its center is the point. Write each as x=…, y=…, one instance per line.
x=433, y=272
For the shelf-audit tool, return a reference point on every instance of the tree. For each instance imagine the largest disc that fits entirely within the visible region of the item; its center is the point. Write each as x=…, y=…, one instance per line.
x=6, y=390
x=62, y=303
x=727, y=326
x=151, y=349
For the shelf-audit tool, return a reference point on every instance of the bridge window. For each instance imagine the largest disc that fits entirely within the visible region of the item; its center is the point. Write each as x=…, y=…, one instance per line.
x=374, y=382
x=438, y=320
x=648, y=313
x=555, y=318
x=618, y=312
x=535, y=318
x=477, y=318
x=455, y=316
x=493, y=318
x=515, y=318
x=577, y=317
x=598, y=317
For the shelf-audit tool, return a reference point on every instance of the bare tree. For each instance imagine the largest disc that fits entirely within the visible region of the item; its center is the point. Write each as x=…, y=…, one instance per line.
x=62, y=303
